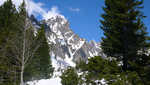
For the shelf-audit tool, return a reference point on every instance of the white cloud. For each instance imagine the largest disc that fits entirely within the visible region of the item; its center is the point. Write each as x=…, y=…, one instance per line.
x=36, y=8
x=74, y=9
x=52, y=13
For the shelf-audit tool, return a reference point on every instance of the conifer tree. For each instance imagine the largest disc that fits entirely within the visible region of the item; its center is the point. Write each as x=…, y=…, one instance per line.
x=100, y=71
x=69, y=77
x=40, y=66
x=46, y=69
x=125, y=34
x=20, y=49
x=8, y=66
x=25, y=43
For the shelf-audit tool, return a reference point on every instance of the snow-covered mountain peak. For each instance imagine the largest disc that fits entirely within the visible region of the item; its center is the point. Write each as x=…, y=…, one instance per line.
x=67, y=43
x=67, y=48
x=58, y=18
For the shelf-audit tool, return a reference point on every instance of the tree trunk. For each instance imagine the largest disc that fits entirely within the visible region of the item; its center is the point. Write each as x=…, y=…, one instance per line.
x=21, y=76
x=125, y=63
x=125, y=50
x=23, y=58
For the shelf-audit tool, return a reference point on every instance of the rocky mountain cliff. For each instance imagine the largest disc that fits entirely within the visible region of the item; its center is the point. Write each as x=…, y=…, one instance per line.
x=67, y=48
x=66, y=44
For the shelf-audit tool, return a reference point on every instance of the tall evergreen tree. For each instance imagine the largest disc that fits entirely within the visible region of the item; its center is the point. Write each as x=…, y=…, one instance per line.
x=20, y=49
x=100, y=71
x=46, y=69
x=40, y=66
x=8, y=66
x=25, y=43
x=125, y=33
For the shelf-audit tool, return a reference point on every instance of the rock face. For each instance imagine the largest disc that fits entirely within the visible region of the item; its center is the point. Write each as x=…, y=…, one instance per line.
x=65, y=43
x=67, y=48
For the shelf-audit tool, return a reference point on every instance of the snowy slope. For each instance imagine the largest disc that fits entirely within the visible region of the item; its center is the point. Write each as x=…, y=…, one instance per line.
x=68, y=44
x=59, y=65
x=68, y=48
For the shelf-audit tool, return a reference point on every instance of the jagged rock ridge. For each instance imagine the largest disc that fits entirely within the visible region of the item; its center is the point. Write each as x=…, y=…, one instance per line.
x=68, y=44
x=64, y=43
x=67, y=48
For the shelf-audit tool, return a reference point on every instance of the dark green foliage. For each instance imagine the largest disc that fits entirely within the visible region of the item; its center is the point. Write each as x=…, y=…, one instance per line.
x=125, y=35
x=69, y=77
x=124, y=31
x=40, y=66
x=98, y=68
x=13, y=25
x=43, y=53
x=8, y=67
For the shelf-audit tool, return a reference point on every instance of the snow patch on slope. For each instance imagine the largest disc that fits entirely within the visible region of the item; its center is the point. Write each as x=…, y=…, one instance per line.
x=59, y=65
x=69, y=61
x=51, y=39
x=78, y=45
x=52, y=81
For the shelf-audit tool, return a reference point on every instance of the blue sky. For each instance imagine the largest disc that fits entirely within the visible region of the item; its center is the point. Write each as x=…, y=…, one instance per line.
x=146, y=12
x=83, y=15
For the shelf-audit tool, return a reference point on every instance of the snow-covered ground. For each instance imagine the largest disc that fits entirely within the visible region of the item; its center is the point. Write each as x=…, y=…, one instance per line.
x=57, y=63
x=52, y=81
